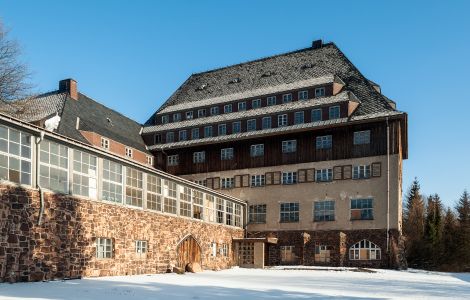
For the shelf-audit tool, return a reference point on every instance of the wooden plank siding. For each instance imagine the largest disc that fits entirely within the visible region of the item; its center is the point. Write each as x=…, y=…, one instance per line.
x=342, y=148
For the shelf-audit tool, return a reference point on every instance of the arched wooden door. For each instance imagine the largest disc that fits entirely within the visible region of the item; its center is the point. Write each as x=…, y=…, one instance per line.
x=188, y=252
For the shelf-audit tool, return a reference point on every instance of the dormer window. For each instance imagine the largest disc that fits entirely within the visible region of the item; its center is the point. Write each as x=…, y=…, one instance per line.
x=129, y=152
x=176, y=117
x=236, y=127
x=319, y=92
x=157, y=139
x=299, y=117
x=189, y=115
x=170, y=137
x=214, y=111
x=334, y=112
x=256, y=103
x=201, y=113
x=282, y=120
x=227, y=108
x=271, y=100
x=183, y=135
x=251, y=125
x=303, y=95
x=316, y=114
x=195, y=133
x=286, y=98
x=104, y=143
x=222, y=129
x=149, y=160
x=202, y=87
x=165, y=119
x=241, y=106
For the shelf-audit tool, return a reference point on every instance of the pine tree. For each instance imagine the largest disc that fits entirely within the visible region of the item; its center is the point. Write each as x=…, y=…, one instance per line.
x=433, y=230
x=448, y=255
x=463, y=231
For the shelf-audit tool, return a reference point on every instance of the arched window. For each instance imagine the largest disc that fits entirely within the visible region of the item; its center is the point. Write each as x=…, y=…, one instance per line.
x=364, y=250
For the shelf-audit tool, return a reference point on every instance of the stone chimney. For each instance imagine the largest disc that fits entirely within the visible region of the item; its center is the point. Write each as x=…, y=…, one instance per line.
x=69, y=86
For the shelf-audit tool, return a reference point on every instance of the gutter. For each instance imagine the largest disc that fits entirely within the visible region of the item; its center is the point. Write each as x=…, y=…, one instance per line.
x=38, y=186
x=388, y=186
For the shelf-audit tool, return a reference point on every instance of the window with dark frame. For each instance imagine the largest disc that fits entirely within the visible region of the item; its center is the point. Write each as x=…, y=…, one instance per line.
x=289, y=212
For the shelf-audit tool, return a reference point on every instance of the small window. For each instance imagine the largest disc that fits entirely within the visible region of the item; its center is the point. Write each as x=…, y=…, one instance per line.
x=361, y=172
x=289, y=177
x=214, y=110
x=323, y=211
x=271, y=100
x=324, y=142
x=141, y=248
x=228, y=108
x=316, y=115
x=172, y=160
x=214, y=249
x=170, y=137
x=361, y=209
x=241, y=106
x=208, y=131
x=289, y=146
x=286, y=98
x=334, y=112
x=299, y=117
x=201, y=182
x=195, y=133
x=176, y=117
x=183, y=135
x=282, y=120
x=257, y=150
x=199, y=157
x=104, y=143
x=257, y=214
x=323, y=175
x=289, y=212
x=149, y=160
x=251, y=125
x=319, y=92
x=226, y=154
x=129, y=152
x=256, y=103
x=257, y=180
x=201, y=113
x=266, y=122
x=157, y=139
x=227, y=183
x=224, y=250
x=364, y=250
x=189, y=115
x=362, y=137
x=303, y=95
x=222, y=129
x=165, y=119
x=104, y=248
x=236, y=127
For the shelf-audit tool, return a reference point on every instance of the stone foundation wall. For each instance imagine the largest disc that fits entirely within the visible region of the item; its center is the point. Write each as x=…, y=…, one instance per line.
x=64, y=245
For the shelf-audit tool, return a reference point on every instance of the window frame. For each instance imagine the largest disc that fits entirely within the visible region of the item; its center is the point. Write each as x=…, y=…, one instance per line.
x=257, y=213
x=287, y=98
x=221, y=132
x=365, y=207
x=289, y=146
x=102, y=245
x=320, y=92
x=282, y=120
x=250, y=125
x=214, y=111
x=289, y=212
x=172, y=160
x=105, y=143
x=324, y=175
x=303, y=95
x=255, y=103
x=271, y=100
x=226, y=153
x=324, y=142
x=324, y=210
x=313, y=118
x=199, y=157
x=228, y=108
x=361, y=137
x=258, y=180
x=334, y=112
x=182, y=135
x=289, y=177
x=241, y=106
x=298, y=120
x=256, y=150
x=238, y=128
x=18, y=153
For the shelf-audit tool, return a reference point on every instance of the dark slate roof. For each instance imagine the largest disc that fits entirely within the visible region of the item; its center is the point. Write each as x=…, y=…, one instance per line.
x=277, y=70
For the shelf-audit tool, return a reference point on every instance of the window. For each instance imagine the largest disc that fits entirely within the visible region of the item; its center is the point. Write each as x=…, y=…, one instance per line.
x=165, y=119
x=195, y=133
x=226, y=154
x=214, y=249
x=266, y=122
x=189, y=115
x=282, y=120
x=208, y=131
x=220, y=211
x=316, y=115
x=176, y=117
x=289, y=177
x=324, y=142
x=105, y=143
x=201, y=182
x=271, y=101
x=172, y=160
x=227, y=183
x=257, y=180
x=224, y=250
x=199, y=157
x=149, y=160
x=84, y=174
x=257, y=150
x=141, y=248
x=361, y=209
x=154, y=193
x=289, y=146
x=256, y=103
x=104, y=248
x=112, y=181
x=286, y=98
x=198, y=202
x=257, y=214
x=322, y=253
x=170, y=137
x=287, y=254
x=185, y=202
x=183, y=135
x=214, y=110
x=134, y=188
x=361, y=172
x=241, y=106
x=299, y=117
x=251, y=125
x=228, y=108
x=228, y=213
x=236, y=127
x=364, y=250
x=209, y=209
x=238, y=215
x=169, y=196
x=323, y=211
x=323, y=175
x=334, y=112
x=129, y=152
x=222, y=129
x=303, y=95
x=53, y=169
x=362, y=137
x=289, y=212
x=157, y=140
x=201, y=112
x=15, y=156
x=320, y=92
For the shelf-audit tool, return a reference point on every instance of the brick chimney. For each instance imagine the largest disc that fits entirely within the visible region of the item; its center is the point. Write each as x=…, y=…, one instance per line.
x=317, y=44
x=69, y=86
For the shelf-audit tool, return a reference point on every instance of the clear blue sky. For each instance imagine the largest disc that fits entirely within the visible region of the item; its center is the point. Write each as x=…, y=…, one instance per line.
x=131, y=55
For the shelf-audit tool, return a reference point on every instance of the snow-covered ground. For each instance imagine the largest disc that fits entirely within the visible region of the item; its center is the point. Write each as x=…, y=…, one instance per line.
x=250, y=284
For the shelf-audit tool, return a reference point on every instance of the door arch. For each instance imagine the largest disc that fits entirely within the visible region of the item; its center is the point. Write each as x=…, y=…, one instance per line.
x=188, y=251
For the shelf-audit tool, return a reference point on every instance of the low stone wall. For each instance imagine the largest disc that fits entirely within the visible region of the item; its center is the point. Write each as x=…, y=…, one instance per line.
x=64, y=245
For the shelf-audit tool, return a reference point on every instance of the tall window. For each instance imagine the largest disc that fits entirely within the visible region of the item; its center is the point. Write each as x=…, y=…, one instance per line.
x=209, y=209
x=303, y=95
x=289, y=177
x=324, y=142
x=251, y=125
x=227, y=183
x=185, y=201
x=286, y=98
x=362, y=137
x=289, y=146
x=172, y=160
x=105, y=143
x=257, y=150
x=183, y=135
x=316, y=115
x=226, y=154
x=299, y=117
x=199, y=157
x=361, y=209
x=271, y=100
x=129, y=152
x=238, y=215
x=222, y=129
x=176, y=117
x=256, y=103
x=220, y=210
x=236, y=127
x=361, y=172
x=266, y=122
x=198, y=204
x=53, y=169
x=170, y=137
x=214, y=110
x=134, y=188
x=334, y=112
x=228, y=108
x=241, y=106
x=157, y=140
x=84, y=174
x=323, y=211
x=201, y=112
x=289, y=212
x=149, y=160
x=257, y=214
x=324, y=175
x=208, y=131
x=141, y=248
x=169, y=200
x=224, y=250
x=195, y=133
x=320, y=92
x=104, y=248
x=112, y=181
x=282, y=120
x=228, y=213
x=154, y=192
x=15, y=156
x=165, y=119
x=189, y=115
x=257, y=180
x=364, y=250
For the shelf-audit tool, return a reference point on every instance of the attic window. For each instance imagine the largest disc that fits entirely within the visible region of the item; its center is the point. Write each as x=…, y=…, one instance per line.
x=307, y=66
x=202, y=87
x=235, y=80
x=109, y=121
x=268, y=74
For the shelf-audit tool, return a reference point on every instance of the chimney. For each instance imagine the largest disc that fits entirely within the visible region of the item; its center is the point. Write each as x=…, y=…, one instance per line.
x=317, y=44
x=69, y=86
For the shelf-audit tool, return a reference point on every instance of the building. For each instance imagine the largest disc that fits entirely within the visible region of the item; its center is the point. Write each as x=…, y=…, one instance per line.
x=311, y=145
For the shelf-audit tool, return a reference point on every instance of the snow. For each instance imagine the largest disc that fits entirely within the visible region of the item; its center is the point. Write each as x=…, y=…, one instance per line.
x=237, y=283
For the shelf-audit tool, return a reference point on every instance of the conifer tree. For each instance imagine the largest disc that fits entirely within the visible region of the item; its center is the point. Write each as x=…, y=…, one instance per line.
x=448, y=255
x=463, y=231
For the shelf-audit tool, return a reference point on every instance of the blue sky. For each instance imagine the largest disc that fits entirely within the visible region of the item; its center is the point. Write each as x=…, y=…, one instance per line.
x=131, y=55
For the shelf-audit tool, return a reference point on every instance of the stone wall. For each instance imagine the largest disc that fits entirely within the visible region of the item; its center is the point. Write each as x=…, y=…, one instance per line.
x=64, y=244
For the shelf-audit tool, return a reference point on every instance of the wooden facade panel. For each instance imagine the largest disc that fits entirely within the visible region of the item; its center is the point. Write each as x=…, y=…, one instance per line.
x=376, y=169
x=302, y=175
x=269, y=178
x=347, y=172
x=337, y=173
x=238, y=181
x=246, y=180
x=216, y=183
x=310, y=175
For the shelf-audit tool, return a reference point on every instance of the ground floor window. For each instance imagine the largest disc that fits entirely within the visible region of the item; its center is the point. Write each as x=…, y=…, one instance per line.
x=287, y=254
x=224, y=250
x=104, y=248
x=364, y=250
x=141, y=248
x=322, y=253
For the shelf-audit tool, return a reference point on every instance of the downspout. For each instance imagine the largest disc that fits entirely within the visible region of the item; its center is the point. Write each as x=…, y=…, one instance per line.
x=388, y=185
x=41, y=193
